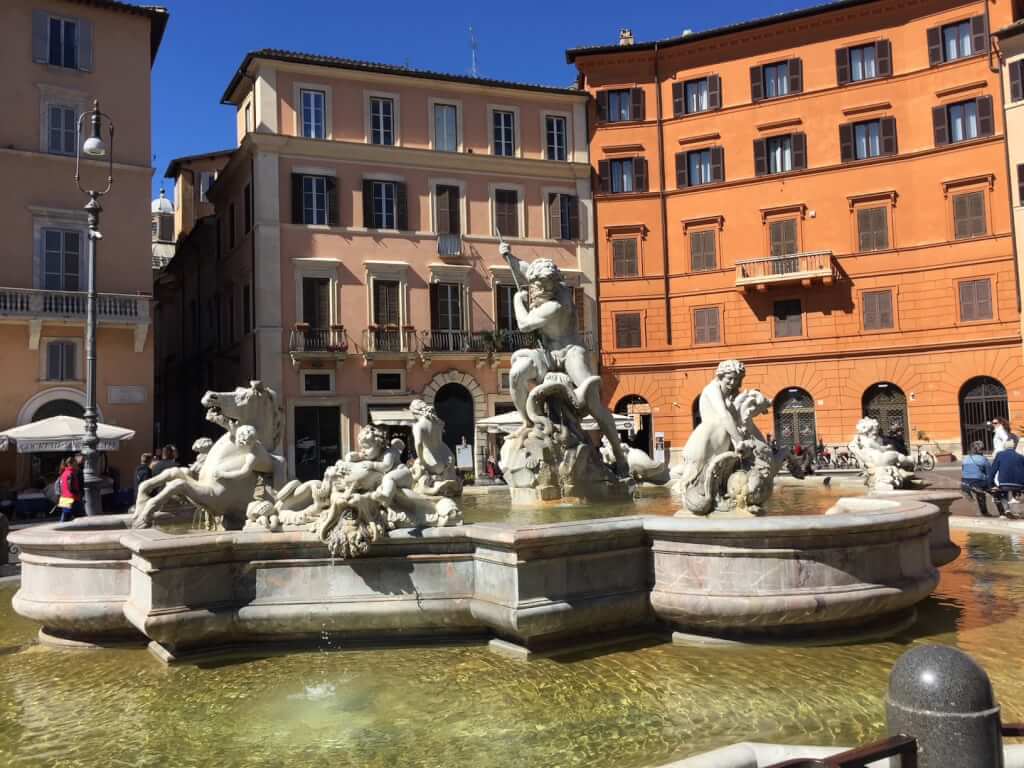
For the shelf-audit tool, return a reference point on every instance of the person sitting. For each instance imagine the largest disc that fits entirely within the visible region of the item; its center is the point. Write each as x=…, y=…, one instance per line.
x=144, y=471
x=974, y=475
x=1007, y=472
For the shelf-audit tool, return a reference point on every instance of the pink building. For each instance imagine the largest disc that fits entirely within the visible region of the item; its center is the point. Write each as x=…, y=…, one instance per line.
x=57, y=57
x=358, y=220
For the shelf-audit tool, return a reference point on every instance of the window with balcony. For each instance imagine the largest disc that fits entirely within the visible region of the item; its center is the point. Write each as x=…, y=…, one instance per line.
x=700, y=166
x=61, y=358
x=316, y=302
x=506, y=212
x=446, y=128
x=693, y=96
x=504, y=295
x=867, y=139
x=707, y=327
x=620, y=105
x=702, y=250
x=382, y=121
x=783, y=237
x=873, y=228
x=969, y=215
x=61, y=129
x=556, y=138
x=62, y=251
x=385, y=205
x=878, y=314
x=448, y=213
x=780, y=154
x=772, y=81
x=788, y=316
x=563, y=216
x=975, y=300
x=627, y=330
x=386, y=336
x=504, y=133
x=963, y=121
x=446, y=329
x=625, y=262
x=623, y=175
x=313, y=113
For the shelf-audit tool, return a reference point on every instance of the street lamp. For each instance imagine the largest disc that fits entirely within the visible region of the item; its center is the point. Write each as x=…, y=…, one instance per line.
x=94, y=148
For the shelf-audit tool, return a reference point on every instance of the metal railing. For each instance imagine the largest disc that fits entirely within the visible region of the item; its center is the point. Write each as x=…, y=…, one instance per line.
x=449, y=246
x=388, y=339
x=40, y=302
x=318, y=340
x=789, y=267
x=483, y=342
x=903, y=747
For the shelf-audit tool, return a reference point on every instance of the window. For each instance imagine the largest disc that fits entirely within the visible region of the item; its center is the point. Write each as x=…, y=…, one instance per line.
x=963, y=121
x=864, y=62
x=317, y=382
x=316, y=302
x=700, y=166
x=382, y=113
x=506, y=212
x=248, y=116
x=873, y=228
x=695, y=96
x=506, y=315
x=388, y=381
x=385, y=205
x=867, y=139
x=1017, y=80
x=385, y=303
x=771, y=81
x=877, y=310
x=314, y=200
x=60, y=360
x=969, y=215
x=776, y=79
x=702, y=250
x=448, y=222
x=780, y=154
x=620, y=105
x=627, y=174
x=975, y=300
x=554, y=127
x=627, y=330
x=247, y=208
x=563, y=216
x=624, y=257
x=246, y=309
x=957, y=41
x=788, y=318
x=61, y=259
x=445, y=309
x=782, y=236
x=446, y=131
x=706, y=326
x=504, y=133
x=231, y=226
x=313, y=124
x=206, y=179
x=63, y=43
x=61, y=128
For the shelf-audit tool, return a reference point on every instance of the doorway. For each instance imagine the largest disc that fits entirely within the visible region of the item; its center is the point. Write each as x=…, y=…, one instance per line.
x=317, y=440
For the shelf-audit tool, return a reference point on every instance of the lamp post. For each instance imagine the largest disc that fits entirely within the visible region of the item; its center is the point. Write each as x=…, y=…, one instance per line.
x=93, y=147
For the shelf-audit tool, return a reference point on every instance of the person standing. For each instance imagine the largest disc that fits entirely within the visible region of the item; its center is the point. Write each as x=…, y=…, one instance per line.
x=70, y=501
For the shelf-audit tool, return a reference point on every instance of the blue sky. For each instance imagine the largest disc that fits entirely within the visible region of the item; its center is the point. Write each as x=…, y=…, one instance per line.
x=207, y=39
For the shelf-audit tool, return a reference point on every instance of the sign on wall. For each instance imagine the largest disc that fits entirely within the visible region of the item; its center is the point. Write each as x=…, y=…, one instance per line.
x=659, y=446
x=464, y=456
x=126, y=394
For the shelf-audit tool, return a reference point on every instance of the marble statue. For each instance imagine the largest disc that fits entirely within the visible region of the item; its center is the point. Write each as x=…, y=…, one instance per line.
x=434, y=472
x=550, y=457
x=883, y=468
x=642, y=468
x=728, y=465
x=228, y=474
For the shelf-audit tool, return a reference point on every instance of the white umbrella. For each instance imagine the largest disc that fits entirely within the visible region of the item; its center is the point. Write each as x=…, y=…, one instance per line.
x=61, y=433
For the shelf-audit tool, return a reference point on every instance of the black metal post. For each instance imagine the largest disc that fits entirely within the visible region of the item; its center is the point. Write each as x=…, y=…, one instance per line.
x=90, y=442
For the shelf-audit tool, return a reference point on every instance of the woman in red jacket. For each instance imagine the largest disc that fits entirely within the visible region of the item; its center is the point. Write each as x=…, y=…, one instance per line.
x=70, y=491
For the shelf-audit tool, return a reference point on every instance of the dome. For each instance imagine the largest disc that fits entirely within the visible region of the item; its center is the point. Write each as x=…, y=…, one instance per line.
x=162, y=204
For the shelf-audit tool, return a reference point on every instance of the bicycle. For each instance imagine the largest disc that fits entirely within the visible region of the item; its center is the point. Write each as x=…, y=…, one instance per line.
x=923, y=459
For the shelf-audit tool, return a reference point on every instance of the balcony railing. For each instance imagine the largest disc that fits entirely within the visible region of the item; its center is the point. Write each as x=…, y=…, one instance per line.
x=449, y=246
x=40, y=303
x=483, y=342
x=386, y=339
x=318, y=341
x=796, y=267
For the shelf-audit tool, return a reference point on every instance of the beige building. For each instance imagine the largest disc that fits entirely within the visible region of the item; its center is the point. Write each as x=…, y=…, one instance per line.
x=358, y=250
x=57, y=57
x=1010, y=47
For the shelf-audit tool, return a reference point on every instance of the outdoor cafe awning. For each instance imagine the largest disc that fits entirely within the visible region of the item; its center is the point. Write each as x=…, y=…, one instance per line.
x=60, y=434
x=507, y=423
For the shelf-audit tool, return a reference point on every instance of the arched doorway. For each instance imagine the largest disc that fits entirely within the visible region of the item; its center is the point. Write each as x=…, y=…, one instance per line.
x=58, y=408
x=886, y=403
x=981, y=400
x=454, y=404
x=794, y=418
x=643, y=437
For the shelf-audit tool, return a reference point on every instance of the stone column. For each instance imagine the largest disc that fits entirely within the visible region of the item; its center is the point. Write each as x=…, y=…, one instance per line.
x=942, y=698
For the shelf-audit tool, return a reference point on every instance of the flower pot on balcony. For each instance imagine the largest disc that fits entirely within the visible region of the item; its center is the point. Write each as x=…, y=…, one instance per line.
x=302, y=327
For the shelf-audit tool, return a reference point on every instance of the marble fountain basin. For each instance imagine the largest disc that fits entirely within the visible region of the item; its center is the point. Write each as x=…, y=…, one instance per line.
x=527, y=588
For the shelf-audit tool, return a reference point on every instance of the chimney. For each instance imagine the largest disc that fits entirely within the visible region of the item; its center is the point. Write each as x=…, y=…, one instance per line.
x=625, y=36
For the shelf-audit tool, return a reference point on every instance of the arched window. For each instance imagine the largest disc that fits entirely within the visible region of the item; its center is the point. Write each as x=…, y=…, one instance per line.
x=640, y=438
x=454, y=405
x=886, y=403
x=794, y=419
x=58, y=408
x=981, y=400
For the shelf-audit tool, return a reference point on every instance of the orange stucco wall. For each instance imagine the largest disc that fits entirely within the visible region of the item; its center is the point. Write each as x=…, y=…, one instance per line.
x=929, y=353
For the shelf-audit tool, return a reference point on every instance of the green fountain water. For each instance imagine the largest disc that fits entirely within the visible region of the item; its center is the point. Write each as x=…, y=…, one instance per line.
x=464, y=705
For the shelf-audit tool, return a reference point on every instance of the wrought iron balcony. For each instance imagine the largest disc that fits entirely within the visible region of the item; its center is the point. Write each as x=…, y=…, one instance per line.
x=802, y=268
x=311, y=343
x=389, y=339
x=449, y=246
x=442, y=342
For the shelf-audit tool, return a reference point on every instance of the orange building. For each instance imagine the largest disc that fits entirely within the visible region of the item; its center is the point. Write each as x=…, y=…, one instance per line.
x=822, y=194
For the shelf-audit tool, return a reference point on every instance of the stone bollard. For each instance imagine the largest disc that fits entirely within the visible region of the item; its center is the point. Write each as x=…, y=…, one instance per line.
x=942, y=698
x=4, y=528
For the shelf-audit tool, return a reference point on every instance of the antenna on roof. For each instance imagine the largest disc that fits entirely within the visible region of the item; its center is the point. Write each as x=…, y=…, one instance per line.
x=473, y=47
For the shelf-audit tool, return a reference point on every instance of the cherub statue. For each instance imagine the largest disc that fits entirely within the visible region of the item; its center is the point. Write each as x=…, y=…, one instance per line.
x=884, y=468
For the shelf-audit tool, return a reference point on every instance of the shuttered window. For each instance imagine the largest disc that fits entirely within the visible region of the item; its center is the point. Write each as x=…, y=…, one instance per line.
x=385, y=205
x=702, y=251
x=506, y=212
x=788, y=318
x=877, y=310
x=624, y=257
x=627, y=330
x=504, y=296
x=61, y=259
x=963, y=121
x=867, y=139
x=780, y=154
x=627, y=174
x=385, y=302
x=976, y=300
x=706, y=326
x=782, y=235
x=314, y=201
x=60, y=360
x=873, y=228
x=864, y=62
x=694, y=96
x=771, y=81
x=316, y=301
x=620, y=105
x=448, y=213
x=958, y=40
x=701, y=166
x=563, y=216
x=62, y=41
x=969, y=215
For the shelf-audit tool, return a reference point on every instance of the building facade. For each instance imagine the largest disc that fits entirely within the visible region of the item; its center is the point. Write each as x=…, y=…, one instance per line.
x=824, y=195
x=58, y=57
x=358, y=225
